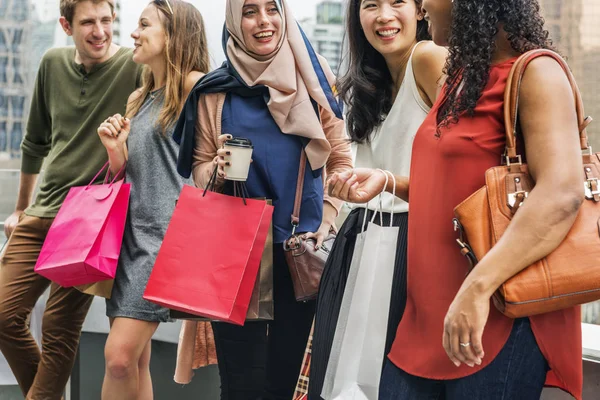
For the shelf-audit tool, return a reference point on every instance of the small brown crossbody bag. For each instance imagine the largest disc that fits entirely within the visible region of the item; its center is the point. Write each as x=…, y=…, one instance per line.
x=570, y=275
x=305, y=263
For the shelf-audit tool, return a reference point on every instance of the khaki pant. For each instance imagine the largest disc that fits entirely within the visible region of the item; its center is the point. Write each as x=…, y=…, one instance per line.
x=41, y=376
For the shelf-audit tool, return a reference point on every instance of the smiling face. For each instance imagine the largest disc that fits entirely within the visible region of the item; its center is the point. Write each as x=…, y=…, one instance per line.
x=92, y=30
x=390, y=26
x=439, y=15
x=150, y=37
x=261, y=26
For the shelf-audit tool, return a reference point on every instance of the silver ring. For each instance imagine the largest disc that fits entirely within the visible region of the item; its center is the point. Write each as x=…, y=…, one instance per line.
x=465, y=344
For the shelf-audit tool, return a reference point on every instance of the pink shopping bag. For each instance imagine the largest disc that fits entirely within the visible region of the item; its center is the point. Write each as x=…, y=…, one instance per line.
x=84, y=241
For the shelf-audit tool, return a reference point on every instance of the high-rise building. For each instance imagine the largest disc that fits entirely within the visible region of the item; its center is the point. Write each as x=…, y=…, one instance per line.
x=327, y=33
x=574, y=29
x=589, y=80
x=15, y=43
x=330, y=12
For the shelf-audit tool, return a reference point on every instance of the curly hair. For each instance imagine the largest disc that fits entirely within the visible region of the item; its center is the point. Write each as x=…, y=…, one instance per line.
x=367, y=85
x=472, y=43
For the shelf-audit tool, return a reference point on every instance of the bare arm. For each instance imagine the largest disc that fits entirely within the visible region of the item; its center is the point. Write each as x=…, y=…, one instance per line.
x=362, y=185
x=550, y=128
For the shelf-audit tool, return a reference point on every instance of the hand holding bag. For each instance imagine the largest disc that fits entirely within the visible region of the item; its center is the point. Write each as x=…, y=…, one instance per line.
x=306, y=264
x=568, y=276
x=84, y=242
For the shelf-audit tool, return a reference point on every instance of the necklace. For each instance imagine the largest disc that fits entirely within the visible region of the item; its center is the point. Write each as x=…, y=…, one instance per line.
x=153, y=94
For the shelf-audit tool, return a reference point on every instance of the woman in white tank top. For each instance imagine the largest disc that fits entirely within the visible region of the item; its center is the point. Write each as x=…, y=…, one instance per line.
x=393, y=78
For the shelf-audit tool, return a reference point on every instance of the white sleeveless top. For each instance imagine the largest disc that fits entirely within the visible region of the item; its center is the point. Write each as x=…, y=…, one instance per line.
x=391, y=143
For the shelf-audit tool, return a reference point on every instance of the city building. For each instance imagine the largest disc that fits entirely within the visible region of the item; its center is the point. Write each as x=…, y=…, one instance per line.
x=330, y=12
x=575, y=32
x=15, y=43
x=326, y=33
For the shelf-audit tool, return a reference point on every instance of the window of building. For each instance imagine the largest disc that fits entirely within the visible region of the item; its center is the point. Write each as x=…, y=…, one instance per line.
x=555, y=33
x=4, y=7
x=3, y=67
x=18, y=72
x=552, y=8
x=19, y=11
x=3, y=106
x=17, y=36
x=18, y=103
x=15, y=137
x=3, y=46
x=3, y=136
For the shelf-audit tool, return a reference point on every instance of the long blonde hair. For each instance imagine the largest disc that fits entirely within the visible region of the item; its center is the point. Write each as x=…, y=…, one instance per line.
x=186, y=50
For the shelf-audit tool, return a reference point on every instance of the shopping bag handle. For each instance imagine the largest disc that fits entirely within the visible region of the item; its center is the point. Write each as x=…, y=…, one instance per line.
x=238, y=187
x=379, y=208
x=107, y=173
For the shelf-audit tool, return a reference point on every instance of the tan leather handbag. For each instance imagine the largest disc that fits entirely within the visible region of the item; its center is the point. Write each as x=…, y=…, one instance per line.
x=570, y=275
x=305, y=263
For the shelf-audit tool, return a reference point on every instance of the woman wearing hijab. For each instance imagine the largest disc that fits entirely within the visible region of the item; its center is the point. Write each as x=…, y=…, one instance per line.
x=275, y=91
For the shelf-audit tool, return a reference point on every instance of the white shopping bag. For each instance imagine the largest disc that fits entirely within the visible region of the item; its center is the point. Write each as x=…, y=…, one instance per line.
x=342, y=321
x=356, y=360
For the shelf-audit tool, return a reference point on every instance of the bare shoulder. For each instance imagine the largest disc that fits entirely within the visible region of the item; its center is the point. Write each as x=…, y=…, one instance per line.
x=429, y=56
x=544, y=75
x=133, y=96
x=191, y=79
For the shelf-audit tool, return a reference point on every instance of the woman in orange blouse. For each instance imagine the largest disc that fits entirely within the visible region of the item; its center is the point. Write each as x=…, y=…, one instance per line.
x=451, y=343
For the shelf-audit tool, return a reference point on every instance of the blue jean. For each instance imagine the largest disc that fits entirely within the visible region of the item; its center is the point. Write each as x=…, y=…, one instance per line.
x=518, y=372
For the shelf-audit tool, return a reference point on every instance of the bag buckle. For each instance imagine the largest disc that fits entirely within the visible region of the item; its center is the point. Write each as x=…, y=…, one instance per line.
x=512, y=198
x=458, y=228
x=589, y=188
x=518, y=159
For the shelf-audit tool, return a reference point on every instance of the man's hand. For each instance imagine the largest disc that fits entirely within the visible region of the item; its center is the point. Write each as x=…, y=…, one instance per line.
x=11, y=223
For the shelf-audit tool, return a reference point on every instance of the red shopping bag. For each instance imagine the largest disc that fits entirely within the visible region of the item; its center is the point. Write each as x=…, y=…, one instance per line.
x=210, y=256
x=84, y=241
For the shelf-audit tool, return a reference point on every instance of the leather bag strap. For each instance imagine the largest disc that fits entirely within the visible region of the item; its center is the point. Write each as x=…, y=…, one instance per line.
x=512, y=92
x=299, y=190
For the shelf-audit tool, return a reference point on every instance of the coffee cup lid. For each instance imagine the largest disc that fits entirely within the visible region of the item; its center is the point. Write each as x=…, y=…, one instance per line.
x=239, y=142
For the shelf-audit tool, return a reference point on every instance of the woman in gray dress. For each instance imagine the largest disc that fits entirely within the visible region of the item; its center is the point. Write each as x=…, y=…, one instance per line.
x=170, y=41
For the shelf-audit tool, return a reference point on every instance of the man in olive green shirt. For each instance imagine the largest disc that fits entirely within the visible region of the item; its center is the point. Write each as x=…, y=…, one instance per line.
x=75, y=90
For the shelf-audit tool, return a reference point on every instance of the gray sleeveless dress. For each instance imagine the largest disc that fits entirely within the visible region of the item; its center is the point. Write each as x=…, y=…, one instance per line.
x=155, y=186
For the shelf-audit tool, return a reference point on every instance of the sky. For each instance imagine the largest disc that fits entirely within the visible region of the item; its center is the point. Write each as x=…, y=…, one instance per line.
x=213, y=12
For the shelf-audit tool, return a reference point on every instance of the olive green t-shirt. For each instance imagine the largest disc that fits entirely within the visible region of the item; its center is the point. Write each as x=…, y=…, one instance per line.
x=67, y=106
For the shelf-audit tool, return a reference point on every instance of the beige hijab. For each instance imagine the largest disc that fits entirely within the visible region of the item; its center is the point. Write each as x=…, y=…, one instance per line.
x=290, y=77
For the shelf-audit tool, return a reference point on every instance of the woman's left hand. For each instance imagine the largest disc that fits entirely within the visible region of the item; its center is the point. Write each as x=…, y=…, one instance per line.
x=463, y=327
x=320, y=235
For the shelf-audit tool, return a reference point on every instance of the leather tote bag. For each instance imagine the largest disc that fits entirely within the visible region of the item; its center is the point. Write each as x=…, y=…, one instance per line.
x=570, y=275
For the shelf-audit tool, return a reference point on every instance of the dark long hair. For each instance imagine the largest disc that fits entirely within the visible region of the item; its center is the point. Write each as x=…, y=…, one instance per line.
x=367, y=85
x=472, y=43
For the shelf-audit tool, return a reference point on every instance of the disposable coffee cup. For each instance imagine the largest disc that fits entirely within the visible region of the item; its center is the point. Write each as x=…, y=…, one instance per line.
x=239, y=159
